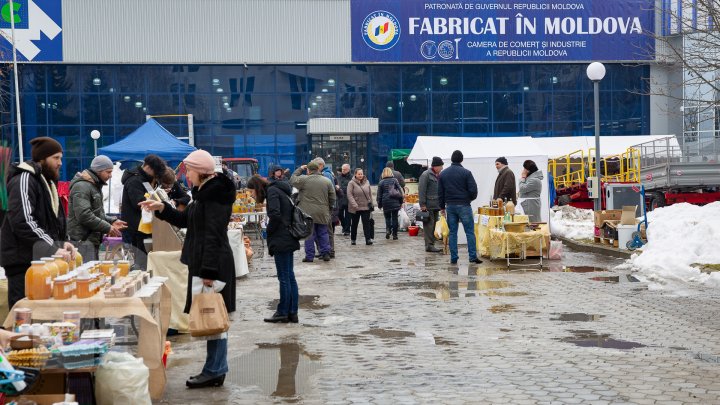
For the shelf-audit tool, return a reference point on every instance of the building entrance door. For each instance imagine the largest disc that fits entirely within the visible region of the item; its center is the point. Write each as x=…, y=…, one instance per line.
x=337, y=150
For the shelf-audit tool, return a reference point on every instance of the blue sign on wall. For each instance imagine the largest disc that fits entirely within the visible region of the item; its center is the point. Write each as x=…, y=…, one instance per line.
x=38, y=30
x=502, y=30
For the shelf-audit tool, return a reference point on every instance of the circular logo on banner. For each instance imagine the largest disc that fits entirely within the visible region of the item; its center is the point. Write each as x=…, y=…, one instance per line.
x=428, y=49
x=446, y=49
x=381, y=30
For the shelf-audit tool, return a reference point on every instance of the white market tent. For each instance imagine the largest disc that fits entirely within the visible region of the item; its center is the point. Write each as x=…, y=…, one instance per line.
x=428, y=146
x=480, y=154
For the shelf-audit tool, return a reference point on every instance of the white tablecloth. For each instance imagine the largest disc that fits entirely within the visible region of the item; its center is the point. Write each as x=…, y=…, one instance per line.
x=238, y=248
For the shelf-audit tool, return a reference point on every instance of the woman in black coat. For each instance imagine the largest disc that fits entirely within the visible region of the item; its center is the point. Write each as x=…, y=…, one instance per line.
x=281, y=243
x=206, y=250
x=389, y=204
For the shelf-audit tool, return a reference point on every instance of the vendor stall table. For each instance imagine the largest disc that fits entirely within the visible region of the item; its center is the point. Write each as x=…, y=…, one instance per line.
x=235, y=236
x=504, y=244
x=252, y=225
x=482, y=231
x=152, y=306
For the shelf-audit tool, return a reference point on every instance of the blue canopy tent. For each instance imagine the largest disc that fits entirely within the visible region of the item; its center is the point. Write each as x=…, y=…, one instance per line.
x=151, y=137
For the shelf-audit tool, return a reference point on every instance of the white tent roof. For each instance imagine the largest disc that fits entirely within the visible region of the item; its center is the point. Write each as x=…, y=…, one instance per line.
x=442, y=146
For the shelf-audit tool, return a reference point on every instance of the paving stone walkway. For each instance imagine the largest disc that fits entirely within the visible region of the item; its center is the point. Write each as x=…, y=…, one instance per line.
x=391, y=324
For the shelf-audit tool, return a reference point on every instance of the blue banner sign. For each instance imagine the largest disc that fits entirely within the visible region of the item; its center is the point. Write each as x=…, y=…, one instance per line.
x=38, y=30
x=502, y=30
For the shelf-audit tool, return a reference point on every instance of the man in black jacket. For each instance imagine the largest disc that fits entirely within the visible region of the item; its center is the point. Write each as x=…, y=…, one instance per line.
x=133, y=193
x=34, y=226
x=457, y=189
x=396, y=174
x=344, y=178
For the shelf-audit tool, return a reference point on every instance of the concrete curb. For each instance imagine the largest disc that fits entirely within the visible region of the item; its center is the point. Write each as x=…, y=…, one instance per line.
x=595, y=248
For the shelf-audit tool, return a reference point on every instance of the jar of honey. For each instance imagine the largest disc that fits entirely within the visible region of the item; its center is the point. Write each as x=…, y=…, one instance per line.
x=83, y=287
x=63, y=288
x=37, y=281
x=78, y=259
x=106, y=267
x=123, y=268
x=63, y=266
x=52, y=267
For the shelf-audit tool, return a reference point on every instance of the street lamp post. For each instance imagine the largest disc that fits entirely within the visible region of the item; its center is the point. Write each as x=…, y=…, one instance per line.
x=596, y=72
x=95, y=135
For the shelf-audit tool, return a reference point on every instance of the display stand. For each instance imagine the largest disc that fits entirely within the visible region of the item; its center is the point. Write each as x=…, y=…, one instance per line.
x=153, y=311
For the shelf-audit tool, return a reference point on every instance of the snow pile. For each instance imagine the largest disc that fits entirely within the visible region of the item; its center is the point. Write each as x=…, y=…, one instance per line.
x=112, y=199
x=572, y=223
x=678, y=236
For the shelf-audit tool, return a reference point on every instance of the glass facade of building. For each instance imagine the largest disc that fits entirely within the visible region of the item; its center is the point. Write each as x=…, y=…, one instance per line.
x=261, y=111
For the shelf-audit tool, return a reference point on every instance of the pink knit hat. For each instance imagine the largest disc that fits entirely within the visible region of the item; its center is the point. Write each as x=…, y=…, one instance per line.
x=201, y=162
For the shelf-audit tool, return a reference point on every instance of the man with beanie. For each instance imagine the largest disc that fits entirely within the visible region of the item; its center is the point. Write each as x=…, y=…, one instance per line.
x=34, y=226
x=396, y=173
x=87, y=222
x=505, y=182
x=134, y=191
x=429, y=200
x=457, y=189
x=316, y=197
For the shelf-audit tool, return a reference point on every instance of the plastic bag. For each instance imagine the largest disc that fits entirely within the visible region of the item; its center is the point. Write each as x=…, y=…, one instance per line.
x=145, y=225
x=403, y=219
x=122, y=379
x=441, y=228
x=556, y=250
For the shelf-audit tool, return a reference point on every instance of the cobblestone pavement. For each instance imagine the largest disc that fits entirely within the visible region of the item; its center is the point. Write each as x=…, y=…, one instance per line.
x=390, y=323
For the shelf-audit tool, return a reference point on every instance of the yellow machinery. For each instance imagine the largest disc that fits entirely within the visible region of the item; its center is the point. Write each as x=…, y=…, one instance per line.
x=574, y=168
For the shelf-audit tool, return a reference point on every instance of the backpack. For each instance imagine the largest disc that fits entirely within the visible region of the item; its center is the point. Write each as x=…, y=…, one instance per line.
x=301, y=224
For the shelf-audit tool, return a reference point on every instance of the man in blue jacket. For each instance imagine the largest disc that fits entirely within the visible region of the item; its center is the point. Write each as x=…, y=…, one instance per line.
x=457, y=189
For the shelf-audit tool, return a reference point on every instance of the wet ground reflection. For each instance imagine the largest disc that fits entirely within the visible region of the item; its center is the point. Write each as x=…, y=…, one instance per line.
x=577, y=317
x=453, y=289
x=588, y=338
x=280, y=370
x=309, y=302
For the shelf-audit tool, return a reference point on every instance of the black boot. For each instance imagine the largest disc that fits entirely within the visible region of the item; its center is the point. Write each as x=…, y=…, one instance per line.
x=387, y=235
x=204, y=381
x=277, y=318
x=293, y=318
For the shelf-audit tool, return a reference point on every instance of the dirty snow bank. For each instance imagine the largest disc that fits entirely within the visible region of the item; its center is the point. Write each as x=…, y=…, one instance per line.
x=679, y=236
x=572, y=223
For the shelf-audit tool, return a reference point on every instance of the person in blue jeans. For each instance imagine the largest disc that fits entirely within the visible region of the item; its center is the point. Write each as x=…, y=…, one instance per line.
x=281, y=243
x=206, y=250
x=457, y=189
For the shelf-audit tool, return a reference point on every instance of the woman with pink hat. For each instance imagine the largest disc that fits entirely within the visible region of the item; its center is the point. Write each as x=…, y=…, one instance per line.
x=206, y=250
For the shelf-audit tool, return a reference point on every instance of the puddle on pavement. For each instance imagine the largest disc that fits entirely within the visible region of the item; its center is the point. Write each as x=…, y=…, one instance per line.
x=308, y=302
x=505, y=330
x=355, y=267
x=583, y=269
x=444, y=342
x=371, y=276
x=354, y=339
x=577, y=317
x=678, y=348
x=496, y=309
x=505, y=293
x=394, y=261
x=453, y=289
x=280, y=370
x=609, y=279
x=465, y=270
x=388, y=333
x=588, y=338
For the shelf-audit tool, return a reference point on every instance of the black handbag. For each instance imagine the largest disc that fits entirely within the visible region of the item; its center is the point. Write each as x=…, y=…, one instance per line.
x=301, y=225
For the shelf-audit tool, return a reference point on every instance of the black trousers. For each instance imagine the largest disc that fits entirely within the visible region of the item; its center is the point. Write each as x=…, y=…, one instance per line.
x=345, y=218
x=16, y=284
x=367, y=227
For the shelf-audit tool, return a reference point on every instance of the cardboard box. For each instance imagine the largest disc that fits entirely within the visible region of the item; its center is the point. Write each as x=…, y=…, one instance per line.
x=628, y=215
x=48, y=399
x=609, y=229
x=607, y=215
